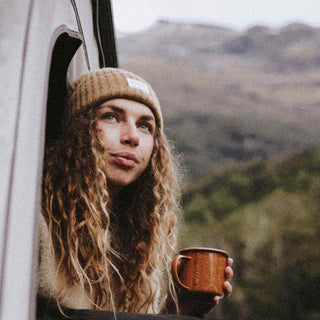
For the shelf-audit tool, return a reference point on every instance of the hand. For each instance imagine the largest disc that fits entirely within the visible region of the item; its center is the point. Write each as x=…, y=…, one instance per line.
x=198, y=304
x=227, y=287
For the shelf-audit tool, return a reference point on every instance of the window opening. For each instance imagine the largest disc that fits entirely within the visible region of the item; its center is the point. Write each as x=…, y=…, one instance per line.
x=63, y=51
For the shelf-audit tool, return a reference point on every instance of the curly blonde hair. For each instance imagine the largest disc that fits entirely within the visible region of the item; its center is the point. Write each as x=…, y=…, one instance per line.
x=119, y=251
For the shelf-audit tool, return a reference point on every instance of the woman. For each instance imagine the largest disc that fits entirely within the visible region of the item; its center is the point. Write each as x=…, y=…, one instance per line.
x=110, y=198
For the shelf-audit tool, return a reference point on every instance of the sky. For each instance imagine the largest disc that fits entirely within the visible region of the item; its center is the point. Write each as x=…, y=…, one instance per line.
x=137, y=15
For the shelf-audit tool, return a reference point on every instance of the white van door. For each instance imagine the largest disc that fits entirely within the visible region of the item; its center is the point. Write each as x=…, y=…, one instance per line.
x=44, y=46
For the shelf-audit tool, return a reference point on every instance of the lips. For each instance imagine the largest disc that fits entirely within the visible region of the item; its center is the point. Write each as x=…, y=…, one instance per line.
x=125, y=159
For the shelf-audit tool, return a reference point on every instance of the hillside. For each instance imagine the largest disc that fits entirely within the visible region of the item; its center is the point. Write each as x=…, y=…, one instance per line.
x=266, y=215
x=230, y=96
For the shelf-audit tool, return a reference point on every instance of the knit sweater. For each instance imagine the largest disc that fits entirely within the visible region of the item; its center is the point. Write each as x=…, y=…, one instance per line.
x=48, y=278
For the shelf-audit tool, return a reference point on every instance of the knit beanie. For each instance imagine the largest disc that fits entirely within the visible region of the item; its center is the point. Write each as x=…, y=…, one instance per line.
x=96, y=87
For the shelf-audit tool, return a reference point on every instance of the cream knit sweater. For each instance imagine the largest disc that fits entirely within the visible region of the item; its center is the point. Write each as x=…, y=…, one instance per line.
x=48, y=284
x=48, y=279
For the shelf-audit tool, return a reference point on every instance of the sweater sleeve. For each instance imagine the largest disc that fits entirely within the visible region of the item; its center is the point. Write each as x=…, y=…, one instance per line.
x=48, y=278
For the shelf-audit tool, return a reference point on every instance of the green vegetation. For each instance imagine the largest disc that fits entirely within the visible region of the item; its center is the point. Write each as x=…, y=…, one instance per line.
x=267, y=216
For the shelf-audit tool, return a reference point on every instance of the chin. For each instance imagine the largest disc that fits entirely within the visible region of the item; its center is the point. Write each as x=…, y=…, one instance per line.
x=120, y=181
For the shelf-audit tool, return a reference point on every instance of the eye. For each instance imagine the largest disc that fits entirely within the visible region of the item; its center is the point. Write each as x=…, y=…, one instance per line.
x=109, y=116
x=145, y=126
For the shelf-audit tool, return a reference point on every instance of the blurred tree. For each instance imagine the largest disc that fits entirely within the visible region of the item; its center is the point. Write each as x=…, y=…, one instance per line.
x=197, y=210
x=267, y=215
x=241, y=187
x=222, y=202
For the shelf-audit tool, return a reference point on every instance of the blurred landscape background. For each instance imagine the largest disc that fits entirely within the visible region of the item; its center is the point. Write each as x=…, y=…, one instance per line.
x=243, y=110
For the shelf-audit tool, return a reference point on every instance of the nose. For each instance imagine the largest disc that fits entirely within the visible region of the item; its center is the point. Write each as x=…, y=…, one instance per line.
x=130, y=135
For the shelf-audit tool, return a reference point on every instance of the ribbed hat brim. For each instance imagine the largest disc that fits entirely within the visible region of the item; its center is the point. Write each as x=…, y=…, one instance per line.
x=98, y=86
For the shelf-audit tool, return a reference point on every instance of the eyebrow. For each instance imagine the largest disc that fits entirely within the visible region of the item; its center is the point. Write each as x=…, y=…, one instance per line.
x=114, y=108
x=122, y=111
x=147, y=118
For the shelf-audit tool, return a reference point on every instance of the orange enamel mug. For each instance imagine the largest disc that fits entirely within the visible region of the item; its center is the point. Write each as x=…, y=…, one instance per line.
x=202, y=270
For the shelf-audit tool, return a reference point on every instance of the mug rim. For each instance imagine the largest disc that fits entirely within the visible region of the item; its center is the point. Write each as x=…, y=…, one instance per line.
x=185, y=250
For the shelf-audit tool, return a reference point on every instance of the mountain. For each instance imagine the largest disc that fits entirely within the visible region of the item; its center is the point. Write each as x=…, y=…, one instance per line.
x=231, y=96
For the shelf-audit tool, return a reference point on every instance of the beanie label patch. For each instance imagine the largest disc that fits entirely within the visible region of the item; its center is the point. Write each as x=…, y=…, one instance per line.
x=136, y=84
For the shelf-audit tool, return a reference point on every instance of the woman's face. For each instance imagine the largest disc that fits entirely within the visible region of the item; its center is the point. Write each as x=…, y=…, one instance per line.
x=127, y=129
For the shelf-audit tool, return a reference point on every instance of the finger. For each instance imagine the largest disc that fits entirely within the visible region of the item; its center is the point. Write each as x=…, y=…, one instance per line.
x=228, y=273
x=229, y=262
x=216, y=300
x=227, y=288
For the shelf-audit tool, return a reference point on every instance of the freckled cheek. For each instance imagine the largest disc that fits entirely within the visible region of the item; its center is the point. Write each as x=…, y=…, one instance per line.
x=109, y=138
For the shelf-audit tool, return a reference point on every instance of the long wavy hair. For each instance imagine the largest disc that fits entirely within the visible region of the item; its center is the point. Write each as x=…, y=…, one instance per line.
x=119, y=251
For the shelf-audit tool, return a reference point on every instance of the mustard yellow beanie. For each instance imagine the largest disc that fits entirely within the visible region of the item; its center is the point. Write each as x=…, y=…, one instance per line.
x=98, y=86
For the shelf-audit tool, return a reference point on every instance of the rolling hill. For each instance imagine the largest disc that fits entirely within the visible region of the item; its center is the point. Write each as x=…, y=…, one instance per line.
x=231, y=96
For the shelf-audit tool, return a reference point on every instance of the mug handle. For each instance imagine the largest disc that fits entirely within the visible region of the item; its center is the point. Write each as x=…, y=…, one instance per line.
x=174, y=270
